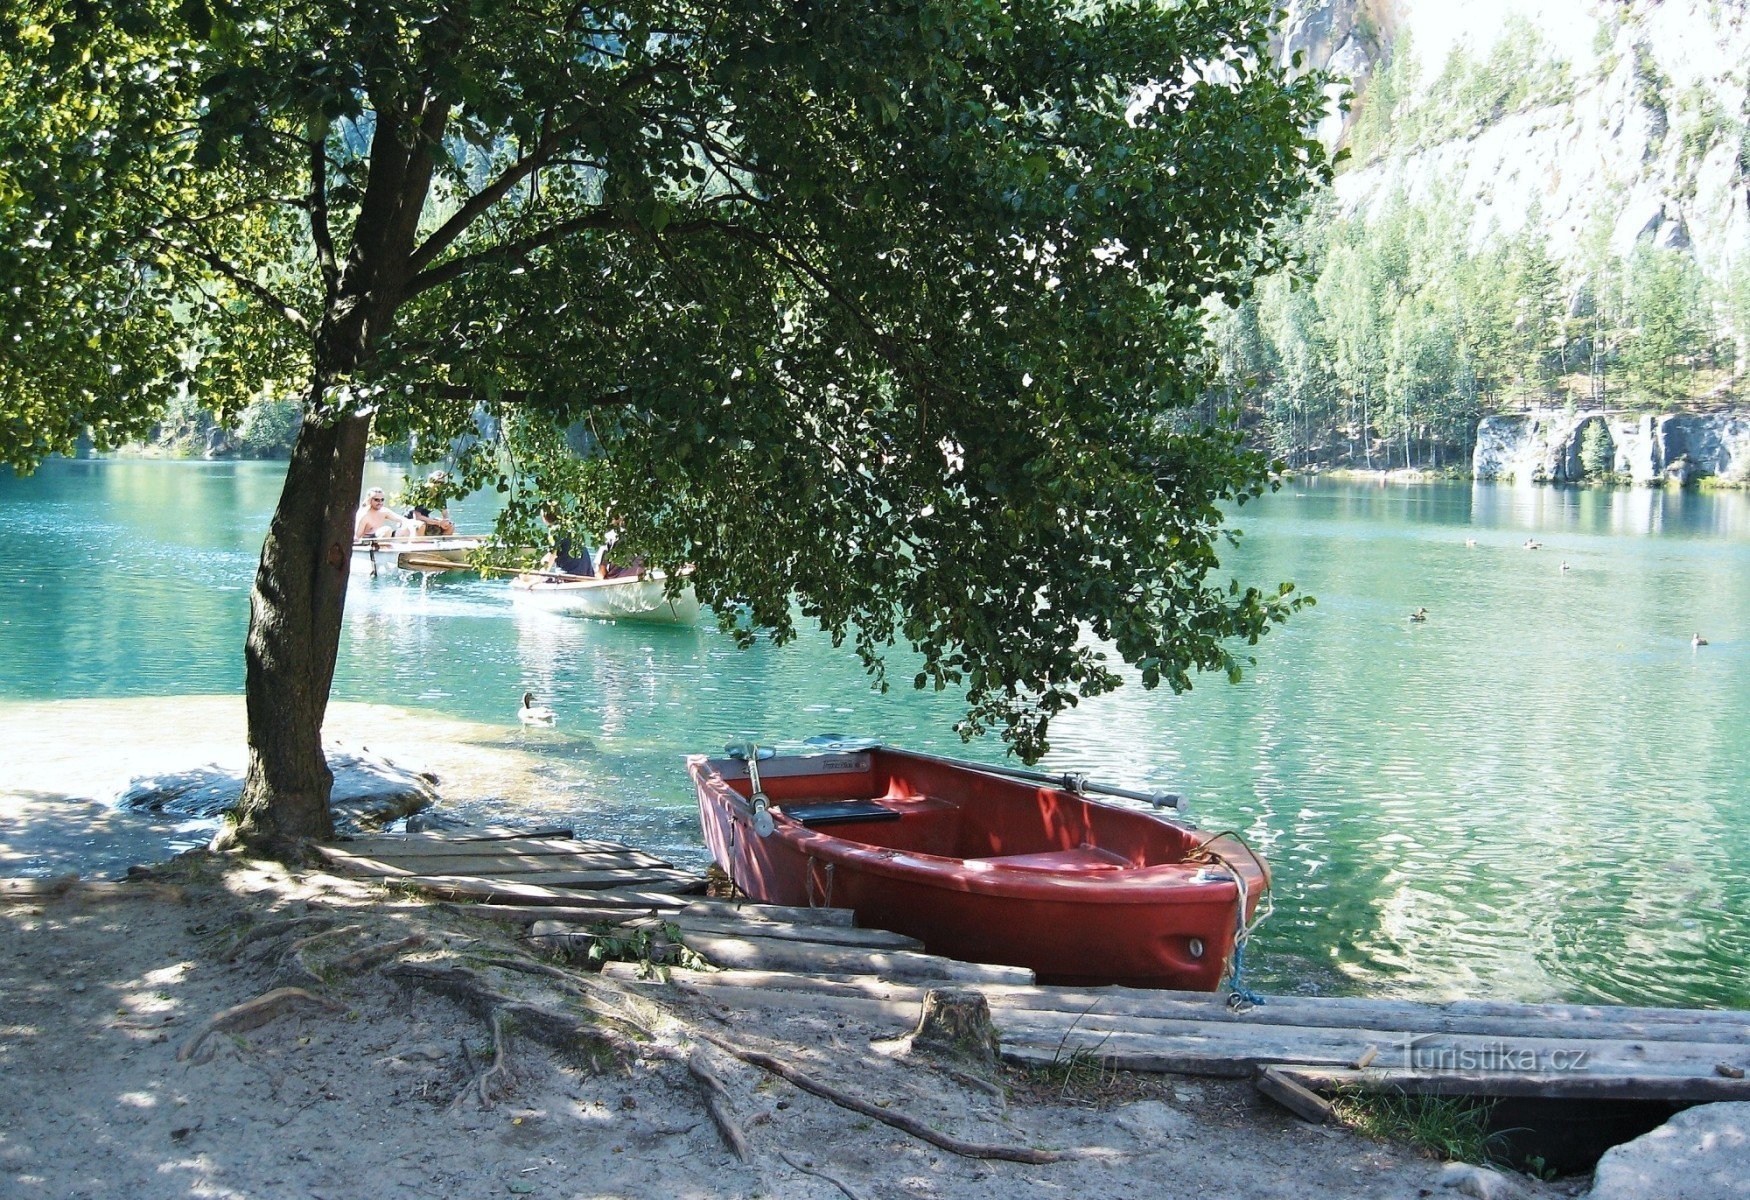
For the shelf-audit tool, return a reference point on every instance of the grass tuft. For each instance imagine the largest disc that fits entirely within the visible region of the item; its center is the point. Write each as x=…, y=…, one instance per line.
x=1455, y=1128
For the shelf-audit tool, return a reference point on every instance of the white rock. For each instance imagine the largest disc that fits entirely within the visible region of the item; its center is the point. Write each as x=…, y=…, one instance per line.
x=1481, y=1182
x=1702, y=1153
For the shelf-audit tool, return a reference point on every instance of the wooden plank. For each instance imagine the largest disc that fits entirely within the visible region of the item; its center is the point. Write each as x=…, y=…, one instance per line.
x=493, y=864
x=582, y=913
x=1725, y=1027
x=603, y=877
x=818, y=957
x=421, y=847
x=489, y=833
x=1302, y=1101
x=1698, y=1089
x=686, y=925
x=461, y=887
x=748, y=911
x=835, y=935
x=1210, y=1048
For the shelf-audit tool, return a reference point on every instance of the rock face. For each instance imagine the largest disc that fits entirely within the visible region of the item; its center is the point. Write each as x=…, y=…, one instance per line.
x=1640, y=137
x=369, y=792
x=1702, y=1153
x=1547, y=446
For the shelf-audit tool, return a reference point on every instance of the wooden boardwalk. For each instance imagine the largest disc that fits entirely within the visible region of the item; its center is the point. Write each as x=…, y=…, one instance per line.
x=749, y=958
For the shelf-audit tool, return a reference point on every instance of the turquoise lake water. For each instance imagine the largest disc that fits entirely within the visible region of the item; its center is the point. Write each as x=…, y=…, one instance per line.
x=1539, y=793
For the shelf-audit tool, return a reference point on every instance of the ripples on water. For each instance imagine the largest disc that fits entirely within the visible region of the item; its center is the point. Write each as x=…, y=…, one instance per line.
x=1536, y=794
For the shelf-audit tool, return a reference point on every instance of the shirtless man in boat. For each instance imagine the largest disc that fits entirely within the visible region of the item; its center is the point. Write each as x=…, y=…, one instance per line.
x=377, y=520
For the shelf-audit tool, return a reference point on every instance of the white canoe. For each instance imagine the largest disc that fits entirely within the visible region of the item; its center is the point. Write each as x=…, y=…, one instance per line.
x=628, y=599
x=382, y=556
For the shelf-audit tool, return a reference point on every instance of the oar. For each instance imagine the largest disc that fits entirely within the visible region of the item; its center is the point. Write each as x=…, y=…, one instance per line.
x=1068, y=782
x=1072, y=782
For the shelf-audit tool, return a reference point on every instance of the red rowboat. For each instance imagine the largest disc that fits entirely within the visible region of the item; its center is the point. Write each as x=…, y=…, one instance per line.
x=982, y=866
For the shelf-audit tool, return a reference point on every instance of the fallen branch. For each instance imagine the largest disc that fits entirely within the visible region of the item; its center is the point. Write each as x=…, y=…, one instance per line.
x=253, y=1014
x=899, y=1121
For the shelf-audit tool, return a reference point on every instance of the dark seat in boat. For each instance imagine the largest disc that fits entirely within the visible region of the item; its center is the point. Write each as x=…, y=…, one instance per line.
x=839, y=812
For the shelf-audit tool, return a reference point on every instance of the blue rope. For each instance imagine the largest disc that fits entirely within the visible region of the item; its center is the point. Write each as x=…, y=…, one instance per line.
x=1238, y=992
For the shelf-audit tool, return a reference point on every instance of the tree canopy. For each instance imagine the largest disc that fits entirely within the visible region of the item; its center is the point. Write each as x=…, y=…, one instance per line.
x=874, y=313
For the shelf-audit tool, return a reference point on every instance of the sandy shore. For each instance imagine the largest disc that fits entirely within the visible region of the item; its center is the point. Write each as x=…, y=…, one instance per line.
x=73, y=758
x=375, y=1088
x=380, y=1085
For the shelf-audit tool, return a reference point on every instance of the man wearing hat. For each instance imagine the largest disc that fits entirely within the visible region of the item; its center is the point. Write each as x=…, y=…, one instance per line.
x=429, y=515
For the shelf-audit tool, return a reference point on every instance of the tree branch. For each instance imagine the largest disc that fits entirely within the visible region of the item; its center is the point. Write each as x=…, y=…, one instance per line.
x=236, y=275
x=457, y=267
x=318, y=208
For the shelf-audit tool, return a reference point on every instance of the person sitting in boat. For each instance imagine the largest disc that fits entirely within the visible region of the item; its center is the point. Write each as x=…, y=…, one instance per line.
x=428, y=514
x=377, y=520
x=560, y=560
x=609, y=565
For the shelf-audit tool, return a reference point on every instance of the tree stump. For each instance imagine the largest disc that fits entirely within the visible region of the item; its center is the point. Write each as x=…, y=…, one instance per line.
x=956, y=1025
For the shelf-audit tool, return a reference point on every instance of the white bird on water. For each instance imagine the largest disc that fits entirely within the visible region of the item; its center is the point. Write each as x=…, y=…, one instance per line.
x=1697, y=642
x=535, y=714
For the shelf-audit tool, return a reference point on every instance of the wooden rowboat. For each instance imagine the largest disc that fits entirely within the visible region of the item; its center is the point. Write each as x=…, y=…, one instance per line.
x=386, y=556
x=632, y=598
x=982, y=866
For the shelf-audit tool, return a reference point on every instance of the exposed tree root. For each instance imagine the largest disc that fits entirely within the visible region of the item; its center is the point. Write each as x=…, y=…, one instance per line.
x=268, y=930
x=899, y=1121
x=840, y=1184
x=253, y=1014
x=497, y=1078
x=717, y=1103
x=585, y=1037
x=375, y=956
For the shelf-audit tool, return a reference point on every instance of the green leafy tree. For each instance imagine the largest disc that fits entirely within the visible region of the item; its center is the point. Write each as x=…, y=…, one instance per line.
x=1670, y=325
x=873, y=308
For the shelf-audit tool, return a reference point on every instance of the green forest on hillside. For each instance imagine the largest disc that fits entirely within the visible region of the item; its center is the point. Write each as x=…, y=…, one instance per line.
x=1400, y=328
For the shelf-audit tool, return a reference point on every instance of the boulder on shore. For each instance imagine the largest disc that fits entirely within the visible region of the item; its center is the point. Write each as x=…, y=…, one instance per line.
x=369, y=792
x=1702, y=1153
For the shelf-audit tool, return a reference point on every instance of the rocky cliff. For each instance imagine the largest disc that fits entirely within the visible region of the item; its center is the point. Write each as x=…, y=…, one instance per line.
x=1557, y=446
x=1591, y=120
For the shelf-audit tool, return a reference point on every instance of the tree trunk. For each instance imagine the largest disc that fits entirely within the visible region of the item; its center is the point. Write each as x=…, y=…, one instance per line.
x=294, y=637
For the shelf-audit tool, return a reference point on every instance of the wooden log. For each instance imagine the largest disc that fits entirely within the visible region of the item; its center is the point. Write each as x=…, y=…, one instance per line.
x=1224, y=1050
x=548, y=872
x=834, y=935
x=491, y=833
x=28, y=890
x=730, y=910
x=745, y=951
x=495, y=865
x=501, y=891
x=1698, y=1089
x=1725, y=1027
x=1302, y=1101
x=398, y=848
x=583, y=913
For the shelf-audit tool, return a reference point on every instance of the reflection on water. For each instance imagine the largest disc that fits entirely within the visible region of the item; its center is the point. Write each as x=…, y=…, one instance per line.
x=1534, y=794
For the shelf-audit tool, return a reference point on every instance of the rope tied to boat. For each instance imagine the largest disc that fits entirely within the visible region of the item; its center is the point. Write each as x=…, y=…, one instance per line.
x=1239, y=996
x=825, y=888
